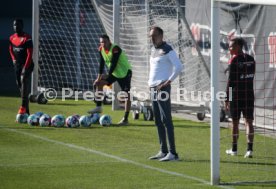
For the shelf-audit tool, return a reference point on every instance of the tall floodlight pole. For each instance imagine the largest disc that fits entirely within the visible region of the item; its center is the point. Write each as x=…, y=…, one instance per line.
x=116, y=40
x=215, y=129
x=35, y=34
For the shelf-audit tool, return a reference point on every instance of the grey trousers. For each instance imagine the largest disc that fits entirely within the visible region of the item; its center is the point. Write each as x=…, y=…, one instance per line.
x=161, y=104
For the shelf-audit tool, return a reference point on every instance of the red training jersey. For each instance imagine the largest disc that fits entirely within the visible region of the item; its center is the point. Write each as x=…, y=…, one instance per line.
x=21, y=49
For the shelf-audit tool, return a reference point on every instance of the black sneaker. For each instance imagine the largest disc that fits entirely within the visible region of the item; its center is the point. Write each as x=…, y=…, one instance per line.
x=123, y=122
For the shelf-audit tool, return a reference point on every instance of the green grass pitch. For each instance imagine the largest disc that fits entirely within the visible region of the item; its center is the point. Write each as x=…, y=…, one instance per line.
x=33, y=157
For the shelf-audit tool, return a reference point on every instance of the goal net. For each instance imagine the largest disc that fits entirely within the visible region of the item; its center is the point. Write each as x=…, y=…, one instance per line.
x=253, y=23
x=137, y=18
x=68, y=58
x=68, y=43
x=69, y=34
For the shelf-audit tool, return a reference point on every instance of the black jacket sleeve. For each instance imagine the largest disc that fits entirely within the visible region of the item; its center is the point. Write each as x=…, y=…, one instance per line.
x=101, y=68
x=232, y=79
x=115, y=57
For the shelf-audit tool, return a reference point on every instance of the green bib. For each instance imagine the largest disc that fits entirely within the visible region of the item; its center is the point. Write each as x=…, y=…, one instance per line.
x=122, y=66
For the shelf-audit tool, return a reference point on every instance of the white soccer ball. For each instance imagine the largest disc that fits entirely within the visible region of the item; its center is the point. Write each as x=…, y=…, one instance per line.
x=58, y=121
x=39, y=114
x=45, y=120
x=105, y=120
x=85, y=121
x=33, y=120
x=72, y=121
x=94, y=118
x=21, y=118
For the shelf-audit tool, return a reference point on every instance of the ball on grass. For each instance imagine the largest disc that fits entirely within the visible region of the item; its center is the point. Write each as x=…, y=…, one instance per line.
x=72, y=121
x=33, y=120
x=85, y=121
x=94, y=118
x=45, y=120
x=21, y=118
x=58, y=121
x=105, y=120
x=39, y=114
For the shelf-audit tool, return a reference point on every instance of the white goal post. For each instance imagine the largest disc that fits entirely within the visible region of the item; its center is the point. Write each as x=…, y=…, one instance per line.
x=215, y=128
x=35, y=31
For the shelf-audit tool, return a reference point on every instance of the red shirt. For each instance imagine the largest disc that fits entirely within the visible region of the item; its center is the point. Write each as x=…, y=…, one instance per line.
x=21, y=49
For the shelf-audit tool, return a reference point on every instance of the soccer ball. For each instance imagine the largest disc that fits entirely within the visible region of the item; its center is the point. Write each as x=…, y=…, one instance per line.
x=94, y=118
x=21, y=118
x=72, y=121
x=85, y=121
x=45, y=120
x=58, y=121
x=76, y=115
x=33, y=120
x=39, y=114
x=105, y=120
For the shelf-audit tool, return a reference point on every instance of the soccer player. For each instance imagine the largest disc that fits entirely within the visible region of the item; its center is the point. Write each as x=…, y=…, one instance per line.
x=241, y=77
x=165, y=66
x=21, y=49
x=119, y=67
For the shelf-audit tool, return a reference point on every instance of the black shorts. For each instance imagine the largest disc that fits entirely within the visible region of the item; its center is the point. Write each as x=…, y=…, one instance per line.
x=244, y=107
x=125, y=83
x=18, y=70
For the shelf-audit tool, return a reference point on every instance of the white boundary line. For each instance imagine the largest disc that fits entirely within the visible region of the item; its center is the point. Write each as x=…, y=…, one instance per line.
x=73, y=146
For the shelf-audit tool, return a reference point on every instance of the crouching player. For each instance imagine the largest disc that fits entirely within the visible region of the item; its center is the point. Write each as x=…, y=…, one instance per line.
x=116, y=60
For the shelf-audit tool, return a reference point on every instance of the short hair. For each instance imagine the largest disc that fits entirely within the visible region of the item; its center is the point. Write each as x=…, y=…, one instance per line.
x=239, y=41
x=105, y=36
x=19, y=20
x=158, y=29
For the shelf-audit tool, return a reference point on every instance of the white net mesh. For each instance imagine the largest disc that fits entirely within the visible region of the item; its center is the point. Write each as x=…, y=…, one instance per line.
x=68, y=57
x=68, y=53
x=136, y=19
x=250, y=22
x=68, y=42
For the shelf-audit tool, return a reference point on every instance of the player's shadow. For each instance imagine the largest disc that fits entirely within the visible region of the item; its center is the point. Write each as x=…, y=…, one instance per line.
x=262, y=184
x=67, y=104
x=150, y=124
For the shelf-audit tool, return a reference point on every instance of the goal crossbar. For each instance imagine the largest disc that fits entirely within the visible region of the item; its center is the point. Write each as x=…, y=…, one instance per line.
x=257, y=2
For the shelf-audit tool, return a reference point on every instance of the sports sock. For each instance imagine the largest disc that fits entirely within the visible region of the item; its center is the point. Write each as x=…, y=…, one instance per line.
x=98, y=103
x=249, y=146
x=234, y=147
x=126, y=116
x=25, y=102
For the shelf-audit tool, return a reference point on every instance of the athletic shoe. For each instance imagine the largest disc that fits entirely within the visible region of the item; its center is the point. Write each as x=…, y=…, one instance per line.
x=98, y=109
x=22, y=110
x=123, y=122
x=248, y=154
x=170, y=157
x=232, y=153
x=159, y=155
